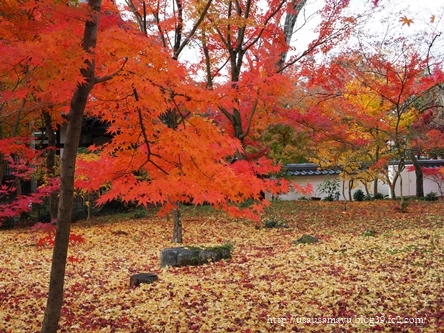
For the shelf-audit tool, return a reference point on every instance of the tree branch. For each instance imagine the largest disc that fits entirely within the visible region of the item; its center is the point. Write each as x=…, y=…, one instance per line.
x=110, y=76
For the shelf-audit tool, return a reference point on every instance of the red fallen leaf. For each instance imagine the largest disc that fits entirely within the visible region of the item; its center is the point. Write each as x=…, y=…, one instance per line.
x=73, y=238
x=45, y=227
x=45, y=241
x=73, y=259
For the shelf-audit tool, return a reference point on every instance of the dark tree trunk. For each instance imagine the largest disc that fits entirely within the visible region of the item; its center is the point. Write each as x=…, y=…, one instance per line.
x=350, y=186
x=51, y=162
x=392, y=189
x=2, y=168
x=375, y=186
x=2, y=158
x=419, y=176
x=177, y=232
x=75, y=117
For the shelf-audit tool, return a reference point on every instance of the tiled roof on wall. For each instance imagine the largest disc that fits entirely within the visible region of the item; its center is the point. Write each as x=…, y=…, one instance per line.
x=309, y=169
x=312, y=169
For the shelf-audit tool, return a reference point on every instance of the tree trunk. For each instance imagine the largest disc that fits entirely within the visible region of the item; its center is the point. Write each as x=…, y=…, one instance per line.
x=392, y=190
x=350, y=185
x=2, y=168
x=51, y=163
x=419, y=176
x=2, y=158
x=290, y=21
x=375, y=186
x=392, y=183
x=365, y=187
x=177, y=232
x=75, y=118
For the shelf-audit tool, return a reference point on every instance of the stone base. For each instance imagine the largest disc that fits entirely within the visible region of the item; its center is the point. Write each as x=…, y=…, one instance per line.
x=137, y=279
x=193, y=256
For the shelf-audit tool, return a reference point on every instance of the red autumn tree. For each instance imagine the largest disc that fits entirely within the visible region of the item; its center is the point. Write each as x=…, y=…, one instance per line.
x=436, y=175
x=60, y=68
x=371, y=100
x=241, y=50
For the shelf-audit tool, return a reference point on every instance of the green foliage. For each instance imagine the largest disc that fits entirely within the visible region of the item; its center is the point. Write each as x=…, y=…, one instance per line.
x=358, y=195
x=369, y=233
x=116, y=206
x=40, y=212
x=285, y=144
x=139, y=214
x=403, y=205
x=330, y=187
x=247, y=203
x=378, y=196
x=432, y=196
x=368, y=197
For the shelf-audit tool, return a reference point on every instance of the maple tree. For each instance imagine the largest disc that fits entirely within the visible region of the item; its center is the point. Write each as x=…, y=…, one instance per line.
x=173, y=138
x=436, y=175
x=369, y=107
x=168, y=27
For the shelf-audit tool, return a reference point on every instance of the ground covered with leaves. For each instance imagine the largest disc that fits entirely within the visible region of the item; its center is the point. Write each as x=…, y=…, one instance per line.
x=374, y=268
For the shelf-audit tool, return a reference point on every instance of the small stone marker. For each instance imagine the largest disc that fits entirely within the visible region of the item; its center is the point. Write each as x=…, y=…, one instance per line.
x=306, y=239
x=137, y=279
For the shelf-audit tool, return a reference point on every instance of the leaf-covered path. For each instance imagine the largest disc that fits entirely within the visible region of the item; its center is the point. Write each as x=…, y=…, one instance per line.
x=347, y=282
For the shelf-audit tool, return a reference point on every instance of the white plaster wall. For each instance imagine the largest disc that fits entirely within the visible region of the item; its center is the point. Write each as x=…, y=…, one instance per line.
x=317, y=180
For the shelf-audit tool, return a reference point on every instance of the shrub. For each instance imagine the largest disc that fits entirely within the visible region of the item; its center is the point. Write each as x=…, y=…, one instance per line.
x=378, y=196
x=358, y=195
x=330, y=187
x=368, y=197
x=432, y=196
x=139, y=214
x=116, y=207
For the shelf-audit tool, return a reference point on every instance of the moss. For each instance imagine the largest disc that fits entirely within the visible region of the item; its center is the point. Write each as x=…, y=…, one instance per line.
x=306, y=239
x=201, y=255
x=369, y=233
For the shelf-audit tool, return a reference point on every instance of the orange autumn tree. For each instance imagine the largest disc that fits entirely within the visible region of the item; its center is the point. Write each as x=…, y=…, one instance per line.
x=49, y=69
x=30, y=77
x=149, y=162
x=240, y=50
x=369, y=106
x=166, y=25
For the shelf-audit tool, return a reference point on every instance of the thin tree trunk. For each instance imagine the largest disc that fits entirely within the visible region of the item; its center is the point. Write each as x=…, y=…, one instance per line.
x=350, y=185
x=375, y=186
x=2, y=168
x=177, y=232
x=2, y=158
x=365, y=187
x=75, y=118
x=392, y=190
x=50, y=163
x=419, y=176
